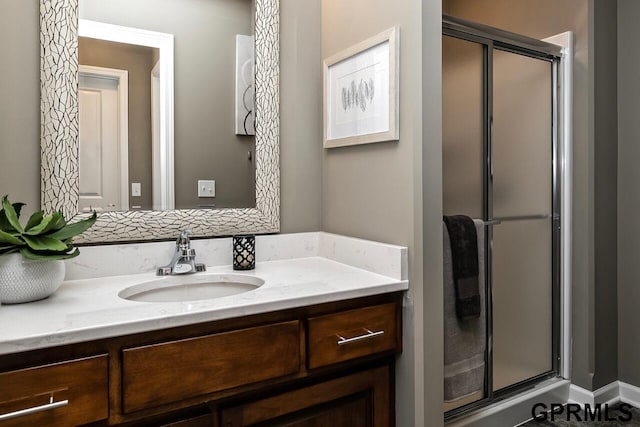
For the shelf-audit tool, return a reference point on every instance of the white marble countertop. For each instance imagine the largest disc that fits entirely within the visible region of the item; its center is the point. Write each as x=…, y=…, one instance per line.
x=90, y=308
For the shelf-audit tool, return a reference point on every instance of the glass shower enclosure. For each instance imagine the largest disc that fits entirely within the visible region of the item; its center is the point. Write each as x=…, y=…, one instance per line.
x=500, y=166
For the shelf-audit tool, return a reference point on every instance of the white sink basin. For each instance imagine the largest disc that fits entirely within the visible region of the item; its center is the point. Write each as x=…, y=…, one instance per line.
x=191, y=287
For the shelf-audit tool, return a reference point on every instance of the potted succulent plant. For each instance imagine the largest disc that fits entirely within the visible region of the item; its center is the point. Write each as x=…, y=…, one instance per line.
x=31, y=255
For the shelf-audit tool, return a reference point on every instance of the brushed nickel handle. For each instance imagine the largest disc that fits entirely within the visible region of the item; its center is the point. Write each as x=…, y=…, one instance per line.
x=370, y=334
x=491, y=222
x=24, y=412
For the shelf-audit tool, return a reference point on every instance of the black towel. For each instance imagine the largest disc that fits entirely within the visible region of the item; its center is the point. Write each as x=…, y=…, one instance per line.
x=464, y=254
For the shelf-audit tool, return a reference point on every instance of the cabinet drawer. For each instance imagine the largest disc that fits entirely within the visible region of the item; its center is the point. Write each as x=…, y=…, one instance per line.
x=351, y=334
x=64, y=394
x=169, y=372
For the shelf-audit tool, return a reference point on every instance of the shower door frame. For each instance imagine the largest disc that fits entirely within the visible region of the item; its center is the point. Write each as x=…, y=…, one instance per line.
x=493, y=39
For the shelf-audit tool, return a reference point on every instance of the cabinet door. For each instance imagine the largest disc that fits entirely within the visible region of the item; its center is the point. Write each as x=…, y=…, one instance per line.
x=198, y=421
x=362, y=399
x=355, y=412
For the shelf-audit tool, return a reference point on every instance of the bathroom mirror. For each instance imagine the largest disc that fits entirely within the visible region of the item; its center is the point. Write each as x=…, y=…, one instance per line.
x=60, y=138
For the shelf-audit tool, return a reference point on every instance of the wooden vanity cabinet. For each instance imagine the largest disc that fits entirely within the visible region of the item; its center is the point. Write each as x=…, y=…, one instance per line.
x=325, y=365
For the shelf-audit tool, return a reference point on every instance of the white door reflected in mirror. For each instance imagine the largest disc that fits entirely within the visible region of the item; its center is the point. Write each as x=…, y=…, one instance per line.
x=145, y=111
x=103, y=139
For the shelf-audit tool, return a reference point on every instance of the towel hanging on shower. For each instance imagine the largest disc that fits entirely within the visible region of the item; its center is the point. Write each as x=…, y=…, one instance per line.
x=464, y=340
x=464, y=254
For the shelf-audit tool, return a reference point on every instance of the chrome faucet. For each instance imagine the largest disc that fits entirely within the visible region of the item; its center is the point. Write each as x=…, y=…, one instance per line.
x=184, y=259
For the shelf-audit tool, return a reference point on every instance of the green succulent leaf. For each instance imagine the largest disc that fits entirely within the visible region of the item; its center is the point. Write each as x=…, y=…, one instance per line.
x=10, y=239
x=47, y=255
x=45, y=243
x=47, y=224
x=34, y=220
x=74, y=229
x=11, y=214
x=58, y=221
x=4, y=222
x=43, y=238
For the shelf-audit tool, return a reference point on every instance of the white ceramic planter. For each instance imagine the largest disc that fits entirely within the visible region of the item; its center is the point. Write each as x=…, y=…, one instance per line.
x=24, y=280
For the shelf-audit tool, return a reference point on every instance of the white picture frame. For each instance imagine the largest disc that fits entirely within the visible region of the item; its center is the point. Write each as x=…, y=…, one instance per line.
x=361, y=97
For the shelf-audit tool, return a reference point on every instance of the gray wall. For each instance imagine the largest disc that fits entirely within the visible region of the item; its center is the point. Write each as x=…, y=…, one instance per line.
x=628, y=194
x=593, y=325
x=605, y=143
x=138, y=61
x=204, y=41
x=376, y=191
x=300, y=116
x=427, y=223
x=301, y=152
x=20, y=103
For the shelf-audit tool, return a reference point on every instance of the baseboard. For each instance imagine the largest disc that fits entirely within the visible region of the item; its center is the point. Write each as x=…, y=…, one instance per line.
x=615, y=392
x=629, y=394
x=609, y=394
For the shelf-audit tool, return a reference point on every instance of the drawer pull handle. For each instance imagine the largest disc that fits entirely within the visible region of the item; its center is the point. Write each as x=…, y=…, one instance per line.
x=370, y=334
x=24, y=412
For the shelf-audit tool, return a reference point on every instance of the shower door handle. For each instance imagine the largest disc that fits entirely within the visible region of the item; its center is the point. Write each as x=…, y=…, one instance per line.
x=491, y=222
x=522, y=218
x=498, y=221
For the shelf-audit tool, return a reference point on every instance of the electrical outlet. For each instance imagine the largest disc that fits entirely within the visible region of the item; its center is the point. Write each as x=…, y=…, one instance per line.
x=206, y=188
x=136, y=189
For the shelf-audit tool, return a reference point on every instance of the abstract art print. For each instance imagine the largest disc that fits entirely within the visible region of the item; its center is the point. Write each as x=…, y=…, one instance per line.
x=361, y=92
x=245, y=87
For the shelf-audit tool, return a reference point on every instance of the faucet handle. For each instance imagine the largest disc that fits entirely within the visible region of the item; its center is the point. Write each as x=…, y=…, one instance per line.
x=183, y=241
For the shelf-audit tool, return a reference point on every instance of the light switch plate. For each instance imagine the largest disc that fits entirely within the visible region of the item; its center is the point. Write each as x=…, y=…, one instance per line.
x=136, y=189
x=206, y=188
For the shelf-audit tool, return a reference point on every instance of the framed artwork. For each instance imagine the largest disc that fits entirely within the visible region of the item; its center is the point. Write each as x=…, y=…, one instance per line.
x=245, y=88
x=361, y=92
